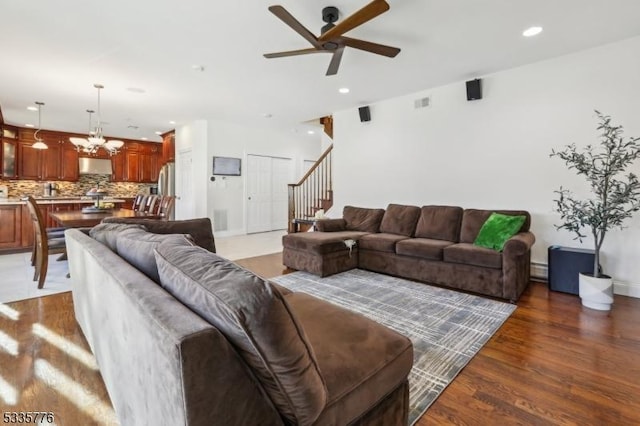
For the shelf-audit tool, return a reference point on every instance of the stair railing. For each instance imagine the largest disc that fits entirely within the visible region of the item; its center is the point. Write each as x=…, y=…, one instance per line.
x=312, y=193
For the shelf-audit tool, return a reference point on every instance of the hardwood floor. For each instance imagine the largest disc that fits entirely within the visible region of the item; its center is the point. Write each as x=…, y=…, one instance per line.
x=552, y=362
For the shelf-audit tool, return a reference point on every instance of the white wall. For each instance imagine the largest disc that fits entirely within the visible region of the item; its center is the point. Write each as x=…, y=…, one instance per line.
x=494, y=153
x=232, y=140
x=192, y=137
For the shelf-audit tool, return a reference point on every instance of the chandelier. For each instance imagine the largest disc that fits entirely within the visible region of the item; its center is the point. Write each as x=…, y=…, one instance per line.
x=95, y=140
x=39, y=144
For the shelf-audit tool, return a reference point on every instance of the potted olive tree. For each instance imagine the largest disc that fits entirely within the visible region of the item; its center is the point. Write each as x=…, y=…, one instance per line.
x=616, y=196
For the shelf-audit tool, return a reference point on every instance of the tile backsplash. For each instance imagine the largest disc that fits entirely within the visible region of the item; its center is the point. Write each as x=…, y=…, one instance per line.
x=21, y=188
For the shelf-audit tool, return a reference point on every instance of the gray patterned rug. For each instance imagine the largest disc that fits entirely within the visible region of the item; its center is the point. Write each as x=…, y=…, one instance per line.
x=447, y=328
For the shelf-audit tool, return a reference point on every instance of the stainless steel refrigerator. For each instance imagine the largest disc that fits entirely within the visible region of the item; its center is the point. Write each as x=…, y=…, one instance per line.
x=167, y=183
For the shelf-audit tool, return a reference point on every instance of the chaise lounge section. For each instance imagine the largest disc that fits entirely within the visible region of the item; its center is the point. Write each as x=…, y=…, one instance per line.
x=431, y=244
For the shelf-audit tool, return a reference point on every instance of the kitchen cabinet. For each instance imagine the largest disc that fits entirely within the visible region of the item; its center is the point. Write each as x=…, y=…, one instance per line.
x=58, y=162
x=8, y=156
x=149, y=159
x=137, y=162
x=169, y=147
x=29, y=162
x=11, y=229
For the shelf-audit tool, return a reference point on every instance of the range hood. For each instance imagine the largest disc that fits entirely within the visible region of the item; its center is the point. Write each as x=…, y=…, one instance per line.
x=95, y=166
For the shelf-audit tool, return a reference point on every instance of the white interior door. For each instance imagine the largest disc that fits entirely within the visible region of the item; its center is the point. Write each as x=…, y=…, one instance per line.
x=185, y=207
x=258, y=193
x=267, y=192
x=281, y=173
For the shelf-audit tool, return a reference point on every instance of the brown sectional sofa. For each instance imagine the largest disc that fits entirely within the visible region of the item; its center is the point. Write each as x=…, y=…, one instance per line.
x=183, y=336
x=432, y=244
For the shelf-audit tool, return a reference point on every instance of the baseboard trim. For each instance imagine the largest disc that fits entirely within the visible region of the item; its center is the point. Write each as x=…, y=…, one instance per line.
x=540, y=272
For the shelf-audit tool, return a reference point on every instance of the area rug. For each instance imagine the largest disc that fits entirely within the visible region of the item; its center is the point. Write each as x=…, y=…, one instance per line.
x=447, y=327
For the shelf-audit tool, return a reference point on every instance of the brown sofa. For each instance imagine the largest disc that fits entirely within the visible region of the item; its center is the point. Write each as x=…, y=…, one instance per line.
x=183, y=336
x=432, y=244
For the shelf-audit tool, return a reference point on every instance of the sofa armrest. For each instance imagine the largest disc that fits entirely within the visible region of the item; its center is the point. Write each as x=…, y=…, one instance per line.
x=331, y=225
x=519, y=244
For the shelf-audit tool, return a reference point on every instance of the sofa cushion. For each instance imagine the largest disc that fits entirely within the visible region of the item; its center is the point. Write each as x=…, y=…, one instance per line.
x=473, y=219
x=470, y=254
x=320, y=242
x=439, y=223
x=255, y=318
x=200, y=229
x=399, y=219
x=422, y=247
x=361, y=363
x=361, y=219
x=380, y=242
x=107, y=233
x=136, y=246
x=497, y=229
x=331, y=225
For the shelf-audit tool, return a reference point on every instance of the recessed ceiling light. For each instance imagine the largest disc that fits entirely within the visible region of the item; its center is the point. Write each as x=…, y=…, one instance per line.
x=144, y=139
x=158, y=133
x=136, y=90
x=29, y=125
x=311, y=132
x=530, y=32
x=266, y=115
x=172, y=122
x=197, y=68
x=343, y=90
x=32, y=108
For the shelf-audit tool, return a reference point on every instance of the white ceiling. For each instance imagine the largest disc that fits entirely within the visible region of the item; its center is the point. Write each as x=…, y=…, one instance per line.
x=54, y=51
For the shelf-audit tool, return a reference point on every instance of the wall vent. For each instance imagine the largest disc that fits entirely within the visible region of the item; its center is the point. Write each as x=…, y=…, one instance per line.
x=422, y=103
x=220, y=220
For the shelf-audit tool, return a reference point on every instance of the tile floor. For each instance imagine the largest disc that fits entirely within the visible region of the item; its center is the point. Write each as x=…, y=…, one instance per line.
x=16, y=272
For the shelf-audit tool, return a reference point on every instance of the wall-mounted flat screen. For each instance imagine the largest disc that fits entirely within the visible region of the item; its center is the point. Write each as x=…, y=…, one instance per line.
x=226, y=166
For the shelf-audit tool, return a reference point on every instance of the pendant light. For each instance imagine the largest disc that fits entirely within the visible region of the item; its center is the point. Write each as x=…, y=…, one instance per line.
x=39, y=144
x=95, y=140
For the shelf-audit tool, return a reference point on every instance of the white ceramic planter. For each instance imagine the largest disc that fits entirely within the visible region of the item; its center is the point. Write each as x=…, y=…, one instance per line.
x=596, y=293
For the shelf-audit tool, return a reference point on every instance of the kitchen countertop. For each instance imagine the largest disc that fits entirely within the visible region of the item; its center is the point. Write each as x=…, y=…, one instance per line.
x=62, y=200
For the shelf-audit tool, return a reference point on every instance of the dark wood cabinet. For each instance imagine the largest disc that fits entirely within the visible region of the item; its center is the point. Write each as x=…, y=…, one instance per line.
x=69, y=169
x=29, y=161
x=50, y=161
x=58, y=162
x=169, y=147
x=137, y=162
x=150, y=156
x=11, y=229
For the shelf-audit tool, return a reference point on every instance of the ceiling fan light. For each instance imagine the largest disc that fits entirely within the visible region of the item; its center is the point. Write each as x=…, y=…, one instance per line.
x=39, y=145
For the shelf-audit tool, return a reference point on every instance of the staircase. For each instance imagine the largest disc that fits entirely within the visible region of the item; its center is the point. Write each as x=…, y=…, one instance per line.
x=312, y=193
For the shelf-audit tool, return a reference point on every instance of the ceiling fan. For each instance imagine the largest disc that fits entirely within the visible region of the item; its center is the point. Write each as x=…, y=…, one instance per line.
x=332, y=39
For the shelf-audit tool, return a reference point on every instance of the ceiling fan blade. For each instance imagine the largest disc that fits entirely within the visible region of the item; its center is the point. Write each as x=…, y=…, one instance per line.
x=379, y=49
x=288, y=19
x=335, y=61
x=370, y=11
x=293, y=53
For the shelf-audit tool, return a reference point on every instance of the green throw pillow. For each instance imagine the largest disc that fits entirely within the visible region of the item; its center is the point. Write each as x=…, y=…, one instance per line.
x=497, y=230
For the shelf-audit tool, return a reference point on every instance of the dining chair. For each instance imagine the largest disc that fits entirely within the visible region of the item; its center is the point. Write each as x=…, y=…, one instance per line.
x=166, y=206
x=151, y=204
x=139, y=203
x=44, y=246
x=57, y=232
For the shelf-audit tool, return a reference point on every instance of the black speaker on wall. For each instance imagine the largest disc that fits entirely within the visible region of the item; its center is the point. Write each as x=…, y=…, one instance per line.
x=474, y=89
x=365, y=114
